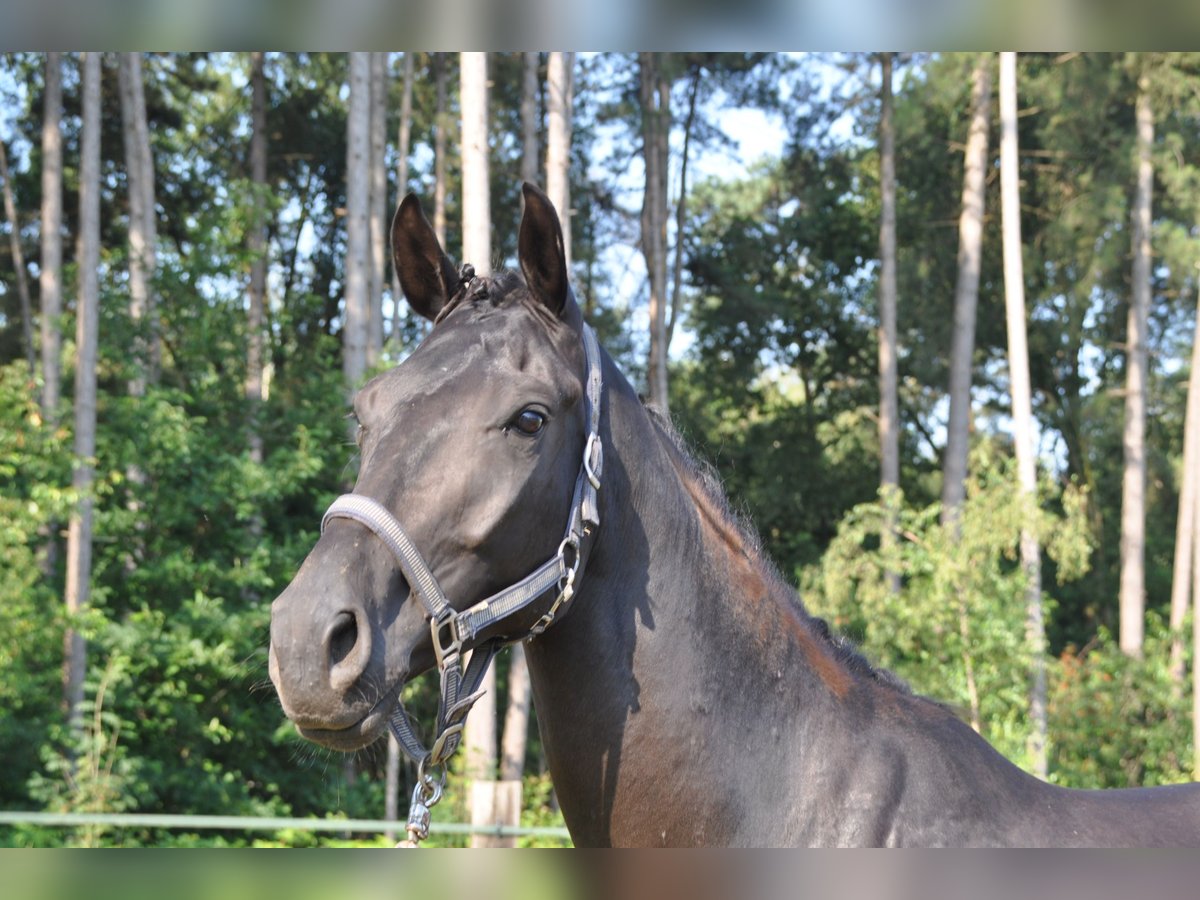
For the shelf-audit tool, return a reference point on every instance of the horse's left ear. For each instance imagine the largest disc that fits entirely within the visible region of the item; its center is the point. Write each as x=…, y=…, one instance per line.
x=540, y=250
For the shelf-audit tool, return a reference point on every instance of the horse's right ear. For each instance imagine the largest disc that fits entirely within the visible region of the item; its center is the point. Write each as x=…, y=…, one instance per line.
x=427, y=275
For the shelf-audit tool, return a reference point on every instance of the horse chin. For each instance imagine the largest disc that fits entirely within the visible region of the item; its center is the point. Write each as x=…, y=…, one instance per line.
x=353, y=737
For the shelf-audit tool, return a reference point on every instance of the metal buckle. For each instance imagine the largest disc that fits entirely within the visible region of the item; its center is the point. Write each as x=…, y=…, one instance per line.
x=594, y=445
x=439, y=746
x=448, y=623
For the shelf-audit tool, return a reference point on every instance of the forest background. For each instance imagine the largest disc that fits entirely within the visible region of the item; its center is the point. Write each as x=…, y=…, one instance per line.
x=192, y=277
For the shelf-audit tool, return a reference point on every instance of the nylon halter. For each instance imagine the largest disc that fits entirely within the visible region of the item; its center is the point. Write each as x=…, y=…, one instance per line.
x=453, y=631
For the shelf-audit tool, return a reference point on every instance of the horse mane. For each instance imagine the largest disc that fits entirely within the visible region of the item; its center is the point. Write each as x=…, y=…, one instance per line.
x=705, y=476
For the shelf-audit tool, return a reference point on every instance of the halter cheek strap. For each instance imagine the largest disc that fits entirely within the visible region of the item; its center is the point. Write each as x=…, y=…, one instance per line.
x=453, y=631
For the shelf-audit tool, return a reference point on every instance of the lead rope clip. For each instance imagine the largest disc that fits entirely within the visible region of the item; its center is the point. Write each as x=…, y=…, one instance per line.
x=425, y=796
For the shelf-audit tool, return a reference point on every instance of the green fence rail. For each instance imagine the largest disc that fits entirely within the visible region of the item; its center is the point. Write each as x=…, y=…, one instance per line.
x=263, y=823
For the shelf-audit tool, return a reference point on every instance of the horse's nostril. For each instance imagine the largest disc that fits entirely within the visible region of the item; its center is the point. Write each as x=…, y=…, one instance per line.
x=341, y=637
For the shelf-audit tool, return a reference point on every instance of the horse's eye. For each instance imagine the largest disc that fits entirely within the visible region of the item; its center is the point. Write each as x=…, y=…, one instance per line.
x=529, y=422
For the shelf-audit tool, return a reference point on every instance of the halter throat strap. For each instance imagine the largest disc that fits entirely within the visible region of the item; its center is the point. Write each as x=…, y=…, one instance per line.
x=454, y=631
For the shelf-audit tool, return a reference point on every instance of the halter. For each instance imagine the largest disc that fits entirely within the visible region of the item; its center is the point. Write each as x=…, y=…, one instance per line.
x=453, y=631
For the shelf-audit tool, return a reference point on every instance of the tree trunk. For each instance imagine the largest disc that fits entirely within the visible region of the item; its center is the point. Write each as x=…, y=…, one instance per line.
x=403, y=148
x=479, y=737
x=476, y=188
x=889, y=403
x=18, y=257
x=1133, y=482
x=257, y=244
x=50, y=277
x=1196, y=651
x=79, y=534
x=358, y=234
x=681, y=203
x=656, y=130
x=377, y=207
x=441, y=127
x=889, y=426
x=560, y=104
x=1018, y=370
x=139, y=167
x=529, y=119
x=1189, y=508
x=966, y=291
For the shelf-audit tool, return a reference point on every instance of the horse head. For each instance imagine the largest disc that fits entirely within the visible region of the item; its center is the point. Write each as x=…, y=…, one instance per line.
x=470, y=451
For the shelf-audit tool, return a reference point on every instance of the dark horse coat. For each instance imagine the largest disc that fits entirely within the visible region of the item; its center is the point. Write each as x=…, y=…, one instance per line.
x=685, y=697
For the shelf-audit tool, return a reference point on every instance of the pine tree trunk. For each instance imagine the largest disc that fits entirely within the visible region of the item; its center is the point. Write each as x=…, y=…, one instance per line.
x=441, y=128
x=1189, y=508
x=403, y=148
x=377, y=207
x=681, y=204
x=656, y=129
x=516, y=718
x=559, y=109
x=18, y=257
x=257, y=244
x=1018, y=370
x=79, y=534
x=139, y=167
x=889, y=426
x=358, y=233
x=1133, y=483
x=966, y=291
x=50, y=277
x=479, y=738
x=529, y=118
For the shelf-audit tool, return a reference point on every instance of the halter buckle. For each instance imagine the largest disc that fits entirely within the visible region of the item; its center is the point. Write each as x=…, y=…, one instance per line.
x=447, y=625
x=593, y=448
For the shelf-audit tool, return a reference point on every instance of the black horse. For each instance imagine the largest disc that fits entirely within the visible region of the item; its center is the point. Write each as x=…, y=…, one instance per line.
x=684, y=695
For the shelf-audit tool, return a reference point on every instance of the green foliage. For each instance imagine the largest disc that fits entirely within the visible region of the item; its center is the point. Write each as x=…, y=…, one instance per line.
x=956, y=629
x=1120, y=721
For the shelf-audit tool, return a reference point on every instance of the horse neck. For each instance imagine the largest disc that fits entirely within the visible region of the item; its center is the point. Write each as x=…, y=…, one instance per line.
x=681, y=637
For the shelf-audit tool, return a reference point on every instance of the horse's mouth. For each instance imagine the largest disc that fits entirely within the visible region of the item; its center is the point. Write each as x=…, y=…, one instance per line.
x=356, y=735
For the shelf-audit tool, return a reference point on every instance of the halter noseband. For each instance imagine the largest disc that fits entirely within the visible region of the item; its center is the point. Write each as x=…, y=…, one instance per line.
x=452, y=631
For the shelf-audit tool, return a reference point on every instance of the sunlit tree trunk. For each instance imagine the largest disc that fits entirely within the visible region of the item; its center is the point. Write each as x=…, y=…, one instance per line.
x=529, y=118
x=139, y=168
x=560, y=102
x=1189, y=508
x=479, y=738
x=79, y=534
x=1133, y=482
x=1022, y=406
x=689, y=122
x=50, y=276
x=889, y=404
x=358, y=233
x=889, y=425
x=403, y=148
x=18, y=257
x=655, y=95
x=377, y=207
x=966, y=291
x=257, y=244
x=966, y=299
x=440, y=130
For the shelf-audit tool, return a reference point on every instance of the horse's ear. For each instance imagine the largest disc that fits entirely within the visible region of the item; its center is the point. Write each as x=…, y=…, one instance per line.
x=427, y=275
x=540, y=249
